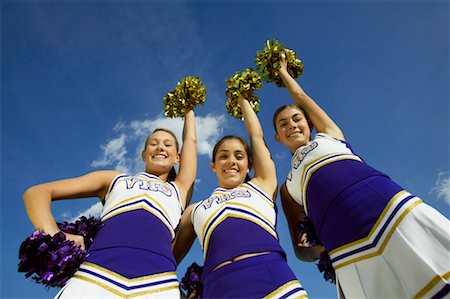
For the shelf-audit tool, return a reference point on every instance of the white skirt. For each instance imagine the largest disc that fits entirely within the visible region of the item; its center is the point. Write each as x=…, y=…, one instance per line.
x=406, y=255
x=93, y=281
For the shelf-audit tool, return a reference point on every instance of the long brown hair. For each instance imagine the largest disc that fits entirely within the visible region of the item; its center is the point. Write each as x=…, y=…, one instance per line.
x=242, y=141
x=172, y=173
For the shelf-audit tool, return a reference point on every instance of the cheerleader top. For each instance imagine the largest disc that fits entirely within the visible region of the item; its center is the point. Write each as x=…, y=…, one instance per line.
x=233, y=222
x=140, y=211
x=321, y=171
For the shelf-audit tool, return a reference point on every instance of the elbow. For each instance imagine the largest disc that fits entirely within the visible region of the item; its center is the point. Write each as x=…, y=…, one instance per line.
x=302, y=256
x=259, y=133
x=299, y=94
x=34, y=191
x=28, y=194
x=191, y=138
x=306, y=254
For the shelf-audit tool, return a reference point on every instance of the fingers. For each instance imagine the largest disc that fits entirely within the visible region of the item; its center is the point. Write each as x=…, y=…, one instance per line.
x=77, y=239
x=283, y=62
x=303, y=242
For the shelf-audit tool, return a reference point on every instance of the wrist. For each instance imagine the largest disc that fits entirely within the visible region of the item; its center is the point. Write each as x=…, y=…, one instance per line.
x=241, y=98
x=283, y=71
x=50, y=230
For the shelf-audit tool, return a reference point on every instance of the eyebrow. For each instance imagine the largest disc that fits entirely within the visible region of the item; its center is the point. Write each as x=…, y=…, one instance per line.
x=163, y=140
x=284, y=119
x=227, y=151
x=280, y=120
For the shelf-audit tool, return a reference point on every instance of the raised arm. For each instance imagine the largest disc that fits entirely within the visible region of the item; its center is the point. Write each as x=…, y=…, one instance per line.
x=38, y=198
x=185, y=235
x=319, y=118
x=294, y=214
x=188, y=158
x=264, y=168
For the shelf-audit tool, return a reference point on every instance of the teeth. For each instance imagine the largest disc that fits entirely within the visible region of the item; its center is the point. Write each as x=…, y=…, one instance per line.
x=295, y=134
x=230, y=171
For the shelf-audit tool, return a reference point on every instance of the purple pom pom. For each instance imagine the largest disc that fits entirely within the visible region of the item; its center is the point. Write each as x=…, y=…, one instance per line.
x=86, y=227
x=49, y=260
x=53, y=260
x=307, y=227
x=192, y=281
x=326, y=267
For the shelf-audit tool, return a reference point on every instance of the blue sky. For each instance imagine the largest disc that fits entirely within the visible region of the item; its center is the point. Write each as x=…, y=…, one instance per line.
x=82, y=84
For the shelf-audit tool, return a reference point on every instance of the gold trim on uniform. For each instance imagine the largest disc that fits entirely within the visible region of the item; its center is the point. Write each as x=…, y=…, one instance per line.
x=233, y=215
x=386, y=238
x=100, y=277
x=376, y=225
x=282, y=290
x=308, y=172
x=140, y=205
x=120, y=294
x=118, y=276
x=431, y=285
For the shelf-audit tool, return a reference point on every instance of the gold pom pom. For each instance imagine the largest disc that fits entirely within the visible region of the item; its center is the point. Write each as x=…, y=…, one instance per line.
x=188, y=93
x=268, y=62
x=245, y=83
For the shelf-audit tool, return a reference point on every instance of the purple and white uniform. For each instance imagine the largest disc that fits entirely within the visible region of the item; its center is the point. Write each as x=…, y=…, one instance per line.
x=131, y=256
x=234, y=222
x=383, y=241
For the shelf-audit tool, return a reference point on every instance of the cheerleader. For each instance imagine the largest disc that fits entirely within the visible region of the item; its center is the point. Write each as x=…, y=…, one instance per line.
x=131, y=255
x=236, y=224
x=383, y=241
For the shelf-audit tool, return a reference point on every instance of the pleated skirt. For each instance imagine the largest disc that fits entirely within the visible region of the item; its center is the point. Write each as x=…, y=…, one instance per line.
x=123, y=273
x=405, y=255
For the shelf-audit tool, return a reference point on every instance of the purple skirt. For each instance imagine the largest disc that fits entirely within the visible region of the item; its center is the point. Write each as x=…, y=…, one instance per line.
x=253, y=277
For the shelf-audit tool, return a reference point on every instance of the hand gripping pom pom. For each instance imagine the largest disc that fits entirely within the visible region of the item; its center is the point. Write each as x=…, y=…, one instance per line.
x=244, y=83
x=268, y=62
x=191, y=282
x=187, y=94
x=326, y=267
x=306, y=227
x=53, y=260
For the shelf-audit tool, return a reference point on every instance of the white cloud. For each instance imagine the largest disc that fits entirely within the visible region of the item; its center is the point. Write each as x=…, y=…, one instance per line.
x=209, y=129
x=124, y=151
x=95, y=210
x=114, y=153
x=280, y=155
x=442, y=187
x=142, y=128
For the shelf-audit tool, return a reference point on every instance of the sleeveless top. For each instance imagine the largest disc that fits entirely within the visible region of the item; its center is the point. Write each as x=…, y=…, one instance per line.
x=324, y=179
x=140, y=211
x=233, y=222
x=343, y=166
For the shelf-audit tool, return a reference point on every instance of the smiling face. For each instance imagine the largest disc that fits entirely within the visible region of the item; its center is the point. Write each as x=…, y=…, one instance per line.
x=292, y=128
x=160, y=153
x=230, y=163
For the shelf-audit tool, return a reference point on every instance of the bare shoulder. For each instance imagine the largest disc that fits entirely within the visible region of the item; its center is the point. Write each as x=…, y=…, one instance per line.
x=270, y=188
x=104, y=174
x=189, y=208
